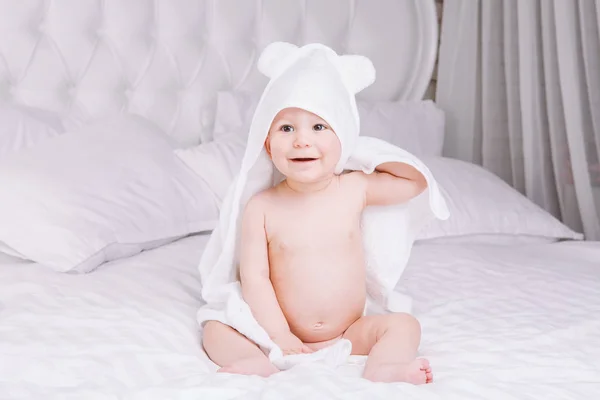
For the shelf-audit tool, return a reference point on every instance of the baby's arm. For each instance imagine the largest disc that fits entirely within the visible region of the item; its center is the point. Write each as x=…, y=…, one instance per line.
x=257, y=288
x=393, y=183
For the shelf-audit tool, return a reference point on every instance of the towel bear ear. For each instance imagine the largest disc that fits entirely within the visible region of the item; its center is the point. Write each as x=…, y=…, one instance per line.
x=357, y=72
x=273, y=57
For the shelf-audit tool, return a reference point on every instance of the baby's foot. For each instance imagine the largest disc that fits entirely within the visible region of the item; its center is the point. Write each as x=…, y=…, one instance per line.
x=416, y=372
x=260, y=366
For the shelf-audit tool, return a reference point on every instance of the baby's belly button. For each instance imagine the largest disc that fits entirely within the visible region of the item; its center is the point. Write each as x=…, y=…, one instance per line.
x=321, y=326
x=318, y=331
x=313, y=325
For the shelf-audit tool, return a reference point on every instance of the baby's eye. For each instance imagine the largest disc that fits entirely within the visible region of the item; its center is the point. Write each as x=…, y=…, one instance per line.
x=319, y=127
x=287, y=128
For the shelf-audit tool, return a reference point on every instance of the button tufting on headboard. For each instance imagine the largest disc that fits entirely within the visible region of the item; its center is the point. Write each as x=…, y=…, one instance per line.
x=166, y=60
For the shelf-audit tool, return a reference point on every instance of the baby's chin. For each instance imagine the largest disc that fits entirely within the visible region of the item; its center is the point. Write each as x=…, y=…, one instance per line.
x=306, y=177
x=313, y=172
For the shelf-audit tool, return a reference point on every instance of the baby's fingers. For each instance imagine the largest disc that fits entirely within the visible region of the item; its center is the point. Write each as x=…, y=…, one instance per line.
x=306, y=349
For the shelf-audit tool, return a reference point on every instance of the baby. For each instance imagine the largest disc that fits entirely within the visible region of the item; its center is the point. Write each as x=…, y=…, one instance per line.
x=302, y=267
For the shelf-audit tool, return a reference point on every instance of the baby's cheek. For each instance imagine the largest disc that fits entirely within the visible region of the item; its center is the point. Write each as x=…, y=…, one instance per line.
x=280, y=163
x=335, y=148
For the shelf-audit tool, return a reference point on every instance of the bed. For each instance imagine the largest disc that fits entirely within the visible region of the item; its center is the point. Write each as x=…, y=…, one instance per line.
x=149, y=101
x=517, y=324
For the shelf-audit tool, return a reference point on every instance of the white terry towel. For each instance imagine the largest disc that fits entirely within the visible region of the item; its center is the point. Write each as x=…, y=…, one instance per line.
x=315, y=78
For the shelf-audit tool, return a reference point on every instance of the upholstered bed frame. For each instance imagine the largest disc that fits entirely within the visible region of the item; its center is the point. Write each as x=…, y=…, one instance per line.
x=166, y=60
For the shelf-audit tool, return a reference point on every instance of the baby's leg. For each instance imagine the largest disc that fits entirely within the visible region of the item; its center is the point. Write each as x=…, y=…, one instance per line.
x=234, y=352
x=391, y=342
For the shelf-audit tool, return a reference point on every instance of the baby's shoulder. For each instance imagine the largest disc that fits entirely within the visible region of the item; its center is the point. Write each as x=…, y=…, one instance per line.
x=257, y=198
x=353, y=185
x=353, y=180
x=259, y=201
x=255, y=204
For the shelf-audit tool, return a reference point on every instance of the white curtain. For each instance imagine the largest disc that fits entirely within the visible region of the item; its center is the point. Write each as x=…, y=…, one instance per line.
x=520, y=83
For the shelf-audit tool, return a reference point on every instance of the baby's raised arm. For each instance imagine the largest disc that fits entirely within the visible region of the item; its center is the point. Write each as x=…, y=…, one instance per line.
x=392, y=183
x=257, y=288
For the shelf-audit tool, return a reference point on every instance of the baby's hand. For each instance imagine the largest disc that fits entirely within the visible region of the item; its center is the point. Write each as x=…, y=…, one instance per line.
x=290, y=344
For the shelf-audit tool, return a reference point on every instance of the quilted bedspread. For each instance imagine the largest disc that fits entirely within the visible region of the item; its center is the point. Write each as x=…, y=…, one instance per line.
x=498, y=323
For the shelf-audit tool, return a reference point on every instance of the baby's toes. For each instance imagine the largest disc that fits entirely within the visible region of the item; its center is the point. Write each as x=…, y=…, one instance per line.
x=428, y=377
x=426, y=368
x=424, y=363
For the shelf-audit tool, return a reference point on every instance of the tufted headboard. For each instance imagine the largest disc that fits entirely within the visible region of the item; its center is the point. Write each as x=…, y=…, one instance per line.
x=166, y=59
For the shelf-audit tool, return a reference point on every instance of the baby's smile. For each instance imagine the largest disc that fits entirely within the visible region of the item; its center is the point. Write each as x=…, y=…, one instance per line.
x=303, y=159
x=303, y=163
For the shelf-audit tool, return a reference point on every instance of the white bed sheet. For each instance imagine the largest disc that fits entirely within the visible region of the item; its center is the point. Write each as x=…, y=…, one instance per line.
x=498, y=323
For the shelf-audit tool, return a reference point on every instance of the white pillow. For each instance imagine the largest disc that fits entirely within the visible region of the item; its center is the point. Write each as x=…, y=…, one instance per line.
x=22, y=127
x=417, y=127
x=107, y=191
x=217, y=162
x=485, y=209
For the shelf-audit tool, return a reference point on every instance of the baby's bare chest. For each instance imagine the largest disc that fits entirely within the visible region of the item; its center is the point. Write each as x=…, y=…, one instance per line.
x=306, y=227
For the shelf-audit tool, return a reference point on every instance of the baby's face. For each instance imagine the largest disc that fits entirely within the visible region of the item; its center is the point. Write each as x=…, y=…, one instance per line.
x=302, y=145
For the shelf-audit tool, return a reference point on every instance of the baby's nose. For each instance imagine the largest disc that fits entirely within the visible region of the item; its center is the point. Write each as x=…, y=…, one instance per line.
x=299, y=144
x=302, y=140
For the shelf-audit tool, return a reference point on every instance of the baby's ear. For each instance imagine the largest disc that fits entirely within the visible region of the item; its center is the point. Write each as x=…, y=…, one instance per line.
x=268, y=147
x=272, y=57
x=357, y=72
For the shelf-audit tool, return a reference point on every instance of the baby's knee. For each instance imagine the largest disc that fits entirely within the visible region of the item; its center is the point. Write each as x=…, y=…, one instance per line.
x=403, y=321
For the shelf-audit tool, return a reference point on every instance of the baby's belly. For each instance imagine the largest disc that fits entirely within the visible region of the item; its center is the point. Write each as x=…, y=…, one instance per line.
x=320, y=296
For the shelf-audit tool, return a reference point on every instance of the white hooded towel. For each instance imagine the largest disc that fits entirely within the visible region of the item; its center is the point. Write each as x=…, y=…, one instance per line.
x=315, y=78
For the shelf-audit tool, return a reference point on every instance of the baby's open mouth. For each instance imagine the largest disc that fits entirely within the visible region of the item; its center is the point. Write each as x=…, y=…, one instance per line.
x=303, y=159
